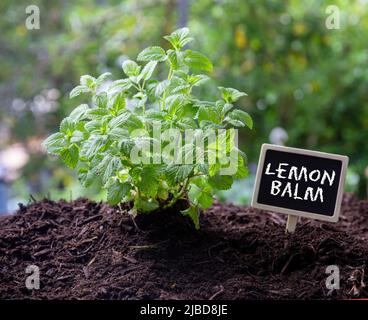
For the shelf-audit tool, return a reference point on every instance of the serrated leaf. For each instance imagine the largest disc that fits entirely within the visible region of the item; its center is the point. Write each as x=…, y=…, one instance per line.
x=88, y=81
x=79, y=113
x=118, y=133
x=128, y=120
x=118, y=102
x=93, y=126
x=116, y=192
x=92, y=146
x=86, y=177
x=208, y=114
x=179, y=38
x=221, y=182
x=96, y=113
x=67, y=126
x=161, y=87
x=54, y=143
x=120, y=85
x=173, y=58
x=231, y=95
x=149, y=182
x=234, y=122
x=101, y=100
x=70, y=156
x=119, y=120
x=197, y=80
x=200, y=193
x=154, y=53
x=178, y=172
x=242, y=170
x=78, y=90
x=226, y=108
x=131, y=68
x=197, y=60
x=174, y=103
x=242, y=116
x=148, y=70
x=108, y=167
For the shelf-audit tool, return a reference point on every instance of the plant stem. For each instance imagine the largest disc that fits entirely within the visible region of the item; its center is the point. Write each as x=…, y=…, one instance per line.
x=178, y=196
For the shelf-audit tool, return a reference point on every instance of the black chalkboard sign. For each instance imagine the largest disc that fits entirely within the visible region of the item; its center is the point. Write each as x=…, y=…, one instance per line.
x=300, y=182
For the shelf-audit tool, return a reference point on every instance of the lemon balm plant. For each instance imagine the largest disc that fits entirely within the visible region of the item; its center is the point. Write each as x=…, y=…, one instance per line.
x=138, y=136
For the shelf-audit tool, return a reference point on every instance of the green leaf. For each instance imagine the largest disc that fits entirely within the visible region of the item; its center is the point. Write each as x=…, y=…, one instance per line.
x=108, y=167
x=209, y=114
x=131, y=68
x=241, y=116
x=242, y=169
x=96, y=113
x=200, y=192
x=126, y=119
x=176, y=173
x=234, y=122
x=197, y=60
x=197, y=80
x=179, y=38
x=67, y=126
x=193, y=213
x=88, y=81
x=221, y=182
x=78, y=90
x=79, y=113
x=174, y=103
x=226, y=108
x=120, y=120
x=101, y=100
x=154, y=53
x=148, y=70
x=149, y=182
x=231, y=95
x=70, y=156
x=118, y=133
x=92, y=146
x=116, y=191
x=54, y=143
x=93, y=126
x=161, y=87
x=118, y=102
x=86, y=177
x=120, y=85
x=174, y=59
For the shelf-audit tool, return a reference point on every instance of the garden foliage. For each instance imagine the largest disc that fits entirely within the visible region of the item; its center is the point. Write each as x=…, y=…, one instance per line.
x=97, y=138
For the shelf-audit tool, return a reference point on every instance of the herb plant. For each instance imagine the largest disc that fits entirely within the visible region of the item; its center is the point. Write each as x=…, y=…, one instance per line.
x=98, y=138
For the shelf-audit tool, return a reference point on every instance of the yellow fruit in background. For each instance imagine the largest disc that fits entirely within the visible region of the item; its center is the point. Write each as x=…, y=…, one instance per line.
x=299, y=29
x=240, y=37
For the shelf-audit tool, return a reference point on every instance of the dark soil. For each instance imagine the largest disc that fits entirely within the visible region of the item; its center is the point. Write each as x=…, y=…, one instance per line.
x=88, y=250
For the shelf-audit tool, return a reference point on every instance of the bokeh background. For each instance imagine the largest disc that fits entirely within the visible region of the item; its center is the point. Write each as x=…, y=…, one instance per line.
x=307, y=84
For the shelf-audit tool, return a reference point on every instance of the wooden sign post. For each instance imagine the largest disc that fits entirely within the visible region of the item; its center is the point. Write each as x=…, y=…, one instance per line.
x=299, y=183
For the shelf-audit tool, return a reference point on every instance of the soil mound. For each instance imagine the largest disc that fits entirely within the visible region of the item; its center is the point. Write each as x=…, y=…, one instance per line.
x=88, y=250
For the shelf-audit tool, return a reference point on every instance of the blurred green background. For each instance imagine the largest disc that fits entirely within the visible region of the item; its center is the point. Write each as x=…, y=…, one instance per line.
x=307, y=84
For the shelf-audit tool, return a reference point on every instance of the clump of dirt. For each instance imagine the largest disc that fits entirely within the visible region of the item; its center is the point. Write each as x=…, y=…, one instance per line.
x=88, y=250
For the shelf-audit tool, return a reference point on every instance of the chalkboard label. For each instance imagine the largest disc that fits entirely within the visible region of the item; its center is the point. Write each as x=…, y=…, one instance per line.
x=300, y=182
